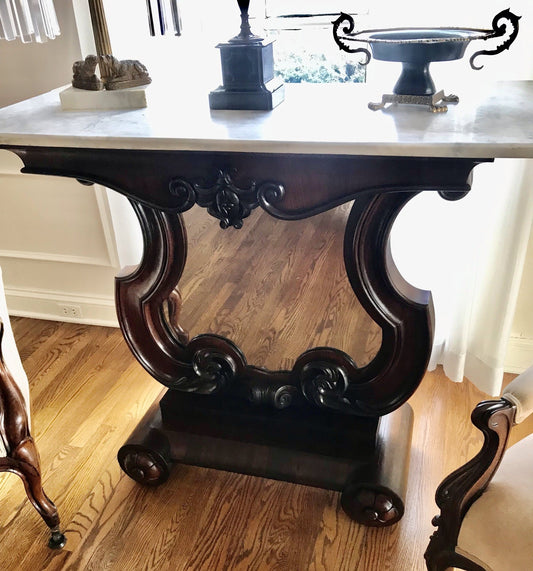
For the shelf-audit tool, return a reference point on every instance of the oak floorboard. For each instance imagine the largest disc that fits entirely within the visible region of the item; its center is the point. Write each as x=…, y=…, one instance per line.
x=88, y=394
x=251, y=302
x=207, y=519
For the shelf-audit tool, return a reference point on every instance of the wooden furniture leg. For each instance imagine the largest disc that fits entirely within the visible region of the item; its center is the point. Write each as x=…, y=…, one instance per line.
x=461, y=488
x=22, y=456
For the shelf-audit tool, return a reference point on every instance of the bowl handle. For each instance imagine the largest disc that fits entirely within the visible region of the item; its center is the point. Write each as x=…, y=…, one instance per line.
x=500, y=24
x=347, y=29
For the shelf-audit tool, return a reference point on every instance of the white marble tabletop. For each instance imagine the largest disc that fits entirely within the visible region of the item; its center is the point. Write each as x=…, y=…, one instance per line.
x=490, y=121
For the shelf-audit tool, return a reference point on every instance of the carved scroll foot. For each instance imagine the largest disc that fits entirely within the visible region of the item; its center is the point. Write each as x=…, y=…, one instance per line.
x=375, y=495
x=372, y=506
x=145, y=457
x=144, y=465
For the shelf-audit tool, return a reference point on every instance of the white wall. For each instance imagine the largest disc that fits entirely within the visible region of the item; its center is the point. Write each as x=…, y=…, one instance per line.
x=57, y=244
x=30, y=69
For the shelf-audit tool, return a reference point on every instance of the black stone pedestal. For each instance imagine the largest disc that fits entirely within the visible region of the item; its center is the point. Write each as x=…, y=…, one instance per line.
x=248, y=77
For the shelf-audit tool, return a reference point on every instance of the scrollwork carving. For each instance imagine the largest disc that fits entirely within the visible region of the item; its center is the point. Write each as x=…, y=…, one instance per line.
x=184, y=192
x=225, y=200
x=324, y=384
x=212, y=372
x=278, y=396
x=268, y=194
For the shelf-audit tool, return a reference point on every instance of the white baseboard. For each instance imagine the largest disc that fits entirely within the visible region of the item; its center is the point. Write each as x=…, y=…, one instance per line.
x=40, y=304
x=519, y=354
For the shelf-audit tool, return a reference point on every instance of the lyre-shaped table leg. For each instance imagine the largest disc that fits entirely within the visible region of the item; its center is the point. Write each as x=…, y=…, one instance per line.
x=404, y=313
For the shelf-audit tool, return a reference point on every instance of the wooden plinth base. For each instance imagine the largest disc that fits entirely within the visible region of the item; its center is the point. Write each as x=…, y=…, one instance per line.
x=364, y=458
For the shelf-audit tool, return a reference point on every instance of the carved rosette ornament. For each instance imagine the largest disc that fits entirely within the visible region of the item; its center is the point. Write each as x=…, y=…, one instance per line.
x=144, y=465
x=213, y=372
x=277, y=396
x=225, y=200
x=324, y=384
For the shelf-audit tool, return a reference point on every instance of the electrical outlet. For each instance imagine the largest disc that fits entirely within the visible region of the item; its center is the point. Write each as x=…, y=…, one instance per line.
x=71, y=311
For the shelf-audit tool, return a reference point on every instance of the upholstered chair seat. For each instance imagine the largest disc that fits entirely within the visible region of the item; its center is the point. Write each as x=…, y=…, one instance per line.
x=486, y=520
x=18, y=453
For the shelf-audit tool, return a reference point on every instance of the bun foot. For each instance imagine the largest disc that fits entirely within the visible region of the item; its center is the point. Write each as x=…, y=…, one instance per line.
x=144, y=465
x=371, y=506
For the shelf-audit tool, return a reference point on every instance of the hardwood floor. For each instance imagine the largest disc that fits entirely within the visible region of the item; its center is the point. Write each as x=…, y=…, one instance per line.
x=88, y=393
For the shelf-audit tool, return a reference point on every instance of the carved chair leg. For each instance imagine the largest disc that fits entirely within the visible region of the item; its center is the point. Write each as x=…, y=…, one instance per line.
x=22, y=457
x=27, y=457
x=24, y=461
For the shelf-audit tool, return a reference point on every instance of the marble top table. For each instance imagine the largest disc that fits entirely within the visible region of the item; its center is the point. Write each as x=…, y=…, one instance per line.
x=326, y=422
x=490, y=121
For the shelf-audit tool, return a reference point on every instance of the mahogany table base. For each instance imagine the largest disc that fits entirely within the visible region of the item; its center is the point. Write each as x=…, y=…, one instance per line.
x=317, y=423
x=366, y=459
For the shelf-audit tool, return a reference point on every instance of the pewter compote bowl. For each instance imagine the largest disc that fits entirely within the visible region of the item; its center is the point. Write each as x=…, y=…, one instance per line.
x=416, y=48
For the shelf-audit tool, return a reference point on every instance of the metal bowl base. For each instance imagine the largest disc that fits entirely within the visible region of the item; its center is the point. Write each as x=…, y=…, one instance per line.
x=436, y=102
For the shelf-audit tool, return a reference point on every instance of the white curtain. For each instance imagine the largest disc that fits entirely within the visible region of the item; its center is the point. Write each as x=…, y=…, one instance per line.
x=471, y=253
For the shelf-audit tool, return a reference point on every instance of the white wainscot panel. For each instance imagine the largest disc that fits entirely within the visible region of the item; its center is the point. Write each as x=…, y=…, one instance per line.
x=60, y=291
x=54, y=219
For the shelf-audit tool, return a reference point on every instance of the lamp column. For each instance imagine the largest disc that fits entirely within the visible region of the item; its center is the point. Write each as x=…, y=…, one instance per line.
x=101, y=35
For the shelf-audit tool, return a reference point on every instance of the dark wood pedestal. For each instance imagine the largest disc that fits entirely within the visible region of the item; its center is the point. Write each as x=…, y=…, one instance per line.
x=326, y=422
x=364, y=458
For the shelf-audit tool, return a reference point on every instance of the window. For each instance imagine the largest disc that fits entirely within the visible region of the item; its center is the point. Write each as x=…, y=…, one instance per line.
x=304, y=50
